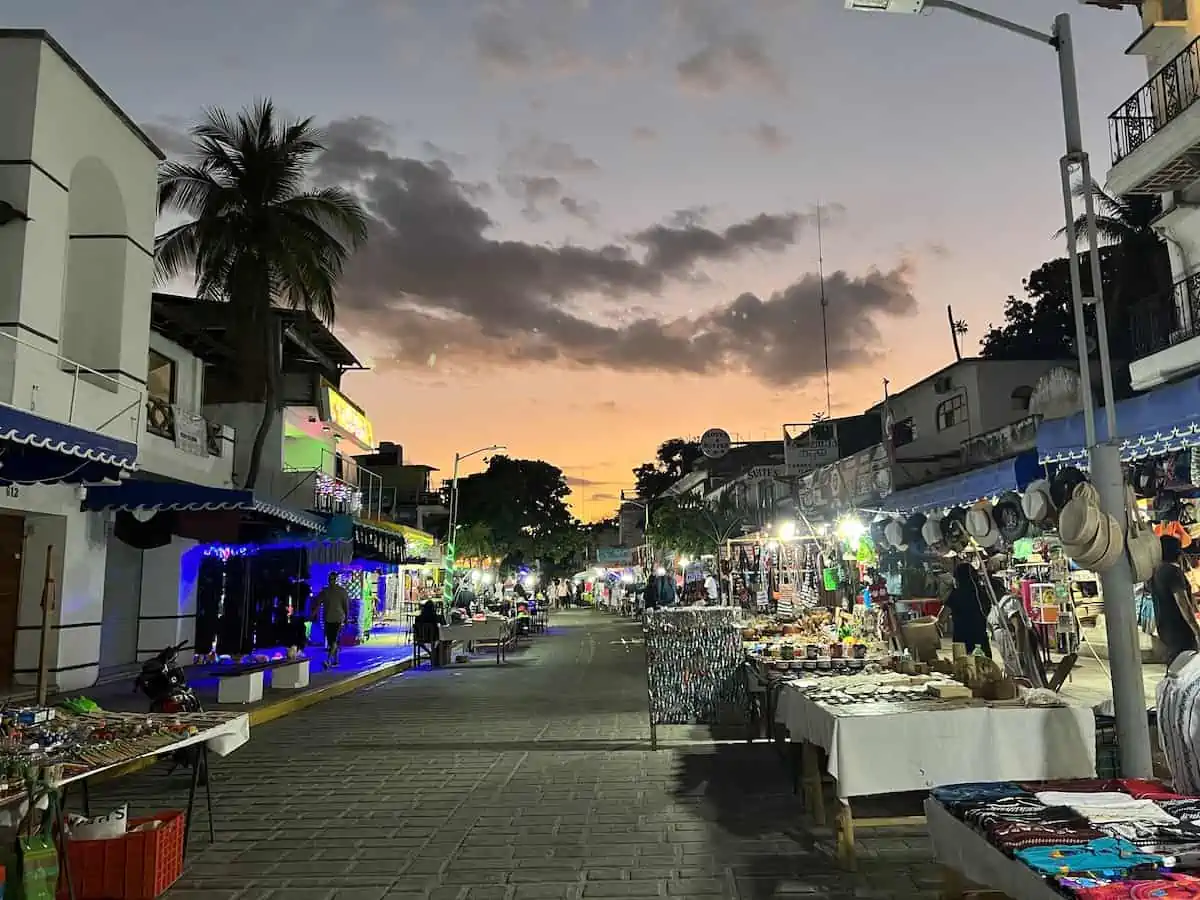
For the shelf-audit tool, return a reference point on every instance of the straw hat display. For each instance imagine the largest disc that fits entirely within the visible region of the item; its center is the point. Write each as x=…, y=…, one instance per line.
x=954, y=530
x=1143, y=545
x=981, y=525
x=1036, y=503
x=1009, y=514
x=931, y=531
x=894, y=533
x=1092, y=539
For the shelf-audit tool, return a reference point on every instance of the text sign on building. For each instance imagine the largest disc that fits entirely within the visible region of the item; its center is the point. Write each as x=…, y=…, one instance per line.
x=809, y=446
x=614, y=555
x=339, y=412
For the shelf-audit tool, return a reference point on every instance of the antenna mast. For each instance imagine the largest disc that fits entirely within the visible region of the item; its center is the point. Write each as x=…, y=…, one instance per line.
x=824, y=314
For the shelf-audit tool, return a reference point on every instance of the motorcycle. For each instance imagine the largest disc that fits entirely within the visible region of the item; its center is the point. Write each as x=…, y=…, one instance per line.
x=165, y=685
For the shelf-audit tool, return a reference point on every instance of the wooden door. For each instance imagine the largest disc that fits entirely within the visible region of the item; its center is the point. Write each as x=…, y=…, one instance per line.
x=12, y=545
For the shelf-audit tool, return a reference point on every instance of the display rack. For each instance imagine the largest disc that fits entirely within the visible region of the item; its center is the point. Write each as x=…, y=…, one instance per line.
x=694, y=660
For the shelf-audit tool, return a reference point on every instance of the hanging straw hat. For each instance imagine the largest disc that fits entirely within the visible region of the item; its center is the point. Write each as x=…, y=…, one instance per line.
x=1036, y=503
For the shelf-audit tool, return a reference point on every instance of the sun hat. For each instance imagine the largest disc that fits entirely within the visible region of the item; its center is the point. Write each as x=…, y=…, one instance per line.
x=931, y=531
x=894, y=532
x=1009, y=514
x=1035, y=502
x=1079, y=521
x=979, y=520
x=1063, y=484
x=954, y=529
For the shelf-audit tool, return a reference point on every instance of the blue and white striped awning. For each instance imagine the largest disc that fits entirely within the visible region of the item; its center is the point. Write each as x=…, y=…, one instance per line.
x=967, y=487
x=1164, y=420
x=37, y=450
x=146, y=494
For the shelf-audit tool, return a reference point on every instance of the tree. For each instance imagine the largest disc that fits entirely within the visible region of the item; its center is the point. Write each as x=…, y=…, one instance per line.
x=674, y=459
x=522, y=504
x=257, y=237
x=693, y=526
x=475, y=541
x=1136, y=272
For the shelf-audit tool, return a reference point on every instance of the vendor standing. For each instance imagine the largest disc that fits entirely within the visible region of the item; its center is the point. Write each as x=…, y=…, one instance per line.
x=968, y=610
x=1174, y=606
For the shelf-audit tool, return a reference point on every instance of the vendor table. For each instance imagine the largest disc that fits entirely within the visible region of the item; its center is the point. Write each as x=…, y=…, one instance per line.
x=221, y=733
x=968, y=859
x=880, y=748
x=494, y=628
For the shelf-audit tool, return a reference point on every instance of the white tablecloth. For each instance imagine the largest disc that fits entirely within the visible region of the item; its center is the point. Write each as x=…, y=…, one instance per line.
x=958, y=847
x=491, y=629
x=917, y=750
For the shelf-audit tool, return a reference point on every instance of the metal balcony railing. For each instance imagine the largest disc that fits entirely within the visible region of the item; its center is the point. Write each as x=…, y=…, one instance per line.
x=1157, y=326
x=55, y=387
x=1157, y=103
x=339, y=486
x=160, y=421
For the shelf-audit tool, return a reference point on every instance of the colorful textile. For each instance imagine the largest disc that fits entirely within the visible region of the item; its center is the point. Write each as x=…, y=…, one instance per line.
x=1014, y=836
x=1021, y=809
x=1145, y=789
x=959, y=795
x=1167, y=886
x=1106, y=856
x=1178, y=701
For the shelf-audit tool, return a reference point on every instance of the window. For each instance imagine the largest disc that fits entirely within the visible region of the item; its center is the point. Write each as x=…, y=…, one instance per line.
x=904, y=432
x=160, y=378
x=952, y=412
x=1021, y=398
x=1174, y=11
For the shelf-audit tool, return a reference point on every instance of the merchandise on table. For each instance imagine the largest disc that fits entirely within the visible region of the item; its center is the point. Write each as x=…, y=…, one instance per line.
x=60, y=745
x=1089, y=838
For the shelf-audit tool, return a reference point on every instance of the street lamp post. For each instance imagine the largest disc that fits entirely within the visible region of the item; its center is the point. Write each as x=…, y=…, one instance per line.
x=1104, y=459
x=452, y=526
x=645, y=505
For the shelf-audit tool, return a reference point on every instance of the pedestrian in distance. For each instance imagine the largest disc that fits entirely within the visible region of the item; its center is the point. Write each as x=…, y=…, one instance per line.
x=335, y=607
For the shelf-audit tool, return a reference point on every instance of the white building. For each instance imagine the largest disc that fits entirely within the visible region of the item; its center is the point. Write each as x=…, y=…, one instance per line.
x=77, y=180
x=1155, y=137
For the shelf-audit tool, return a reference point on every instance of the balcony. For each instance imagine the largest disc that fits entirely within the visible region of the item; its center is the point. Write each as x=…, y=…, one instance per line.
x=337, y=486
x=1155, y=134
x=1164, y=337
x=186, y=446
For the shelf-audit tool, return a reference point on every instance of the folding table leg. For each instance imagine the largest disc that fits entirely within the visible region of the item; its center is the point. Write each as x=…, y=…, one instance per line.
x=212, y=828
x=814, y=791
x=191, y=802
x=844, y=830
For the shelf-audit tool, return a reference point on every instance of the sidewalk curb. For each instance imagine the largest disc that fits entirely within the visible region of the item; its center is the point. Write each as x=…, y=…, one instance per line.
x=286, y=706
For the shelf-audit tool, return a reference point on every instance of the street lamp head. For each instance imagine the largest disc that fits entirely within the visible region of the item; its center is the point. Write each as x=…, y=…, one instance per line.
x=892, y=6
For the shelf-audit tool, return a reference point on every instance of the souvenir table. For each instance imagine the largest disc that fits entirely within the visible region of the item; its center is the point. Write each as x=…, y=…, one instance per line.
x=492, y=628
x=892, y=734
x=71, y=748
x=1088, y=839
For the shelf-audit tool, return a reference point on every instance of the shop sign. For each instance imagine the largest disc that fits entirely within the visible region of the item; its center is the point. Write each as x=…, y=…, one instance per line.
x=715, y=443
x=191, y=432
x=614, y=555
x=809, y=446
x=1001, y=443
x=346, y=417
x=757, y=473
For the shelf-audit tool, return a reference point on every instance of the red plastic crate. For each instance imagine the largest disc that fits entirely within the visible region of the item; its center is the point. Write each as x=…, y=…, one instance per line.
x=136, y=866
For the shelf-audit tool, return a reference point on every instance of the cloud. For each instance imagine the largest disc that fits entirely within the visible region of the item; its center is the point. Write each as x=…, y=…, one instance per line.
x=644, y=133
x=730, y=61
x=584, y=210
x=434, y=282
x=575, y=482
x=171, y=136
x=500, y=46
x=769, y=137
x=546, y=156
x=604, y=497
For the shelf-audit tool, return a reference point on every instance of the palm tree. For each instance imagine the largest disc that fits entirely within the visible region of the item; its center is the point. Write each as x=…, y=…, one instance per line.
x=1136, y=262
x=258, y=236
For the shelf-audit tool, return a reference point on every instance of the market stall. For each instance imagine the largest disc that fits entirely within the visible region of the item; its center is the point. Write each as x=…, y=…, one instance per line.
x=1085, y=839
x=499, y=630
x=45, y=752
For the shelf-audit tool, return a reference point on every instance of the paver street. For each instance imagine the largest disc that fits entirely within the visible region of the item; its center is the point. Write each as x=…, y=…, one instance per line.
x=531, y=780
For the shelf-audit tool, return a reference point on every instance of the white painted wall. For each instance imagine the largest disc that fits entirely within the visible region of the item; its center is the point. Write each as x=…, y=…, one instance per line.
x=122, y=603
x=168, y=597
x=88, y=181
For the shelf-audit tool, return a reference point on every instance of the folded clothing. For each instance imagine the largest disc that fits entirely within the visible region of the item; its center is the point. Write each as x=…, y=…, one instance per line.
x=1185, y=810
x=1021, y=809
x=1138, y=788
x=1153, y=833
x=1109, y=806
x=1013, y=836
x=981, y=792
x=1106, y=856
x=1166, y=885
x=1145, y=789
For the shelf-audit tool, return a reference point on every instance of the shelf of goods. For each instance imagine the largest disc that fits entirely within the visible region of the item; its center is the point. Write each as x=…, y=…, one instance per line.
x=694, y=661
x=935, y=729
x=1085, y=839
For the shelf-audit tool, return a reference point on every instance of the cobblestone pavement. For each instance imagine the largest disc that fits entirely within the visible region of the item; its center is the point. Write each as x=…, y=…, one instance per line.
x=531, y=780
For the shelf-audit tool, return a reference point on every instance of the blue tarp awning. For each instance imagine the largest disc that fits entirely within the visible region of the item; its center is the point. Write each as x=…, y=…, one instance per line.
x=959, y=490
x=138, y=493
x=1161, y=421
x=34, y=449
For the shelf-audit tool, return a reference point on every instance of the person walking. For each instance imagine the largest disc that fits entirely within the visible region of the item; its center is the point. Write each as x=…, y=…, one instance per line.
x=335, y=608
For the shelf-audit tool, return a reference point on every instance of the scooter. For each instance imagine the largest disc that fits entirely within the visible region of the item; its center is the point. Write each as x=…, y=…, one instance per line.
x=165, y=684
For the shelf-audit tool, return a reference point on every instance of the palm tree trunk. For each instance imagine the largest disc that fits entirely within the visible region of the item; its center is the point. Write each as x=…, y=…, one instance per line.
x=270, y=404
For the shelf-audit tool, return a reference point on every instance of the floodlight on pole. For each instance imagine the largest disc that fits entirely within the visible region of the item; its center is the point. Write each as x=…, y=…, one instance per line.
x=1104, y=456
x=452, y=527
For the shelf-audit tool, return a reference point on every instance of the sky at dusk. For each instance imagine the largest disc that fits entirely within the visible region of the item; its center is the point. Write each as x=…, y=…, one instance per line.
x=595, y=219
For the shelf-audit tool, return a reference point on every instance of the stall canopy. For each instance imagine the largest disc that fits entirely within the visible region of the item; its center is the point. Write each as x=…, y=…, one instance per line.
x=42, y=451
x=146, y=494
x=1161, y=421
x=958, y=490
